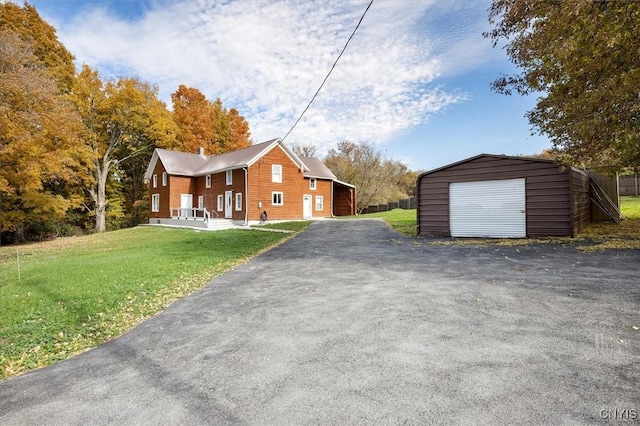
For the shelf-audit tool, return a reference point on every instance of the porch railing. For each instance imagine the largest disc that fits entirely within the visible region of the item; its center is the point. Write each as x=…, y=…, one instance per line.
x=193, y=213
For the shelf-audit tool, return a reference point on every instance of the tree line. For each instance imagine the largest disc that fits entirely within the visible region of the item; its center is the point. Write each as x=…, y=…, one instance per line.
x=74, y=147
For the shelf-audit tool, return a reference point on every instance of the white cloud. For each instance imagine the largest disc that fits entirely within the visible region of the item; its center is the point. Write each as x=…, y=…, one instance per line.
x=268, y=58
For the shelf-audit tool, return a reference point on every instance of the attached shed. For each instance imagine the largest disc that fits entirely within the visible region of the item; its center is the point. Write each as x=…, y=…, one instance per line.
x=501, y=196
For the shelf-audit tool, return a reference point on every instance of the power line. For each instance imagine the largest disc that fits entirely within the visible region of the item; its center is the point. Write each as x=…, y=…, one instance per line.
x=329, y=73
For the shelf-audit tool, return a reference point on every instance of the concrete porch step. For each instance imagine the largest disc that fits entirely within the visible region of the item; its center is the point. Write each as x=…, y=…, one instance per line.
x=213, y=225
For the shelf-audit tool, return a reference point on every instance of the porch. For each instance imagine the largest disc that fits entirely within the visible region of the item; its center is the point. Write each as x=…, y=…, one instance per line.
x=198, y=218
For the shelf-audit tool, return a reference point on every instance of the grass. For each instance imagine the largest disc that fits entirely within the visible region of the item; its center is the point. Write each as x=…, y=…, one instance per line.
x=294, y=226
x=630, y=207
x=597, y=236
x=62, y=297
x=403, y=221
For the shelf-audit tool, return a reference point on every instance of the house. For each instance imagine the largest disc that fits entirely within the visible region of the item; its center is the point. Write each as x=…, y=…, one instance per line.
x=501, y=196
x=239, y=186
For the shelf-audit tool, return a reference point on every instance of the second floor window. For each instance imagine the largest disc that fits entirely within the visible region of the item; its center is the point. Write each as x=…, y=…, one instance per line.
x=276, y=173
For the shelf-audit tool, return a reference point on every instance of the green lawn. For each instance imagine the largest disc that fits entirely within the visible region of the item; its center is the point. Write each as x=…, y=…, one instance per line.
x=286, y=226
x=403, y=221
x=630, y=207
x=61, y=297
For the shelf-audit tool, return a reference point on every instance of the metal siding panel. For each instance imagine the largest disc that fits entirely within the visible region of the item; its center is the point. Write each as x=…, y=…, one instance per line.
x=493, y=208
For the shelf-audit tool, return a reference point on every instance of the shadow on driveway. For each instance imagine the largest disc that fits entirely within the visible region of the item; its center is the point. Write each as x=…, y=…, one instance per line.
x=352, y=323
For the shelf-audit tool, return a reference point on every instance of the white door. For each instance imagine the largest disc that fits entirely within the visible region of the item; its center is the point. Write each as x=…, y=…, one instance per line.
x=186, y=204
x=228, y=204
x=306, y=207
x=494, y=209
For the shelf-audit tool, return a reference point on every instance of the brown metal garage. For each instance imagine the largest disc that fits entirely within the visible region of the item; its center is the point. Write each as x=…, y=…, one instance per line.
x=501, y=196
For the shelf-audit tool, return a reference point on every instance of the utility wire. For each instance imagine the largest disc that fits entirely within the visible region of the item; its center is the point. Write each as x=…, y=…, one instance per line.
x=329, y=73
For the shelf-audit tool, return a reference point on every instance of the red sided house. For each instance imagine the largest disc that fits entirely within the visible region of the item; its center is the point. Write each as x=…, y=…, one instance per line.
x=239, y=186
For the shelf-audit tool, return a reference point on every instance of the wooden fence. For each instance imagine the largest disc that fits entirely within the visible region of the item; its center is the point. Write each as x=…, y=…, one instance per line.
x=629, y=185
x=405, y=204
x=609, y=185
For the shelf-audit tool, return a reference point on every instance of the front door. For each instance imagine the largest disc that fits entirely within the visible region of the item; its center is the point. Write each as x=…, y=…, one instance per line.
x=228, y=204
x=186, y=204
x=306, y=207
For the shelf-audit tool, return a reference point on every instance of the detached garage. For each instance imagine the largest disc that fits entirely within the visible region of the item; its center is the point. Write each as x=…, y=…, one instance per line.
x=498, y=196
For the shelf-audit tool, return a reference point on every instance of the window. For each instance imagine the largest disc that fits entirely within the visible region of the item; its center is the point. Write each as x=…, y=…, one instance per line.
x=229, y=177
x=155, y=181
x=155, y=202
x=207, y=181
x=276, y=173
x=201, y=201
x=164, y=178
x=238, y=201
x=319, y=203
x=220, y=202
x=312, y=184
x=277, y=199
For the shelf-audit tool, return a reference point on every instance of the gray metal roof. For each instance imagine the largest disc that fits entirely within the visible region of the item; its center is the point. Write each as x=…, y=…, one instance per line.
x=235, y=159
x=180, y=163
x=186, y=164
x=317, y=169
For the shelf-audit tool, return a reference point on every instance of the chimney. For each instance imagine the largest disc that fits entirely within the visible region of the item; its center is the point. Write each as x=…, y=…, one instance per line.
x=201, y=152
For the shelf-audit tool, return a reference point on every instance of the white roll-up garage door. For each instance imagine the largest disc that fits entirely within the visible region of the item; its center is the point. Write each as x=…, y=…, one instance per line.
x=492, y=208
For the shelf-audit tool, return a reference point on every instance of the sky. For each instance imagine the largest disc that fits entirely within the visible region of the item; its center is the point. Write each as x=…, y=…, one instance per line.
x=414, y=80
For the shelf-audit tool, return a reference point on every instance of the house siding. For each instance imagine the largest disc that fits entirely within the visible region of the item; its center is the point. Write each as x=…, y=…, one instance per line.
x=323, y=189
x=547, y=191
x=163, y=191
x=219, y=187
x=261, y=187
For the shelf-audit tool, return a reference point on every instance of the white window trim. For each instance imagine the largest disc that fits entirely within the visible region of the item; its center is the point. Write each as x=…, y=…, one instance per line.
x=229, y=177
x=276, y=173
x=200, y=201
x=155, y=203
x=313, y=184
x=164, y=178
x=207, y=181
x=238, y=201
x=155, y=180
x=220, y=203
x=319, y=198
x=281, y=203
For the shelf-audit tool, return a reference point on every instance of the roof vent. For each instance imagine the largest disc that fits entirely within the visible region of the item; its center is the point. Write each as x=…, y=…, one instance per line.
x=201, y=152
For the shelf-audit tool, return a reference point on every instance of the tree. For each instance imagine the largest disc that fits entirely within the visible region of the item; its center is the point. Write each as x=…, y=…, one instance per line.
x=41, y=156
x=123, y=120
x=582, y=56
x=377, y=179
x=208, y=125
x=308, y=150
x=27, y=23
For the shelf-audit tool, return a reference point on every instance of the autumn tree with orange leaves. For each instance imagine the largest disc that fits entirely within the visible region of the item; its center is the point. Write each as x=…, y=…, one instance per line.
x=206, y=124
x=42, y=158
x=30, y=27
x=124, y=121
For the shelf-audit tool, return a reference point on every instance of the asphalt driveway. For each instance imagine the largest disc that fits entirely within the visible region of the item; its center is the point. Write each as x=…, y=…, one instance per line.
x=351, y=323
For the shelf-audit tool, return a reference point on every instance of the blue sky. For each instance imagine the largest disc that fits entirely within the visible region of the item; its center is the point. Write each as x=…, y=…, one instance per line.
x=415, y=79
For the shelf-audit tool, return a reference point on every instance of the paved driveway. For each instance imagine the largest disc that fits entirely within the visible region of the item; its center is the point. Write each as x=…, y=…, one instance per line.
x=351, y=323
